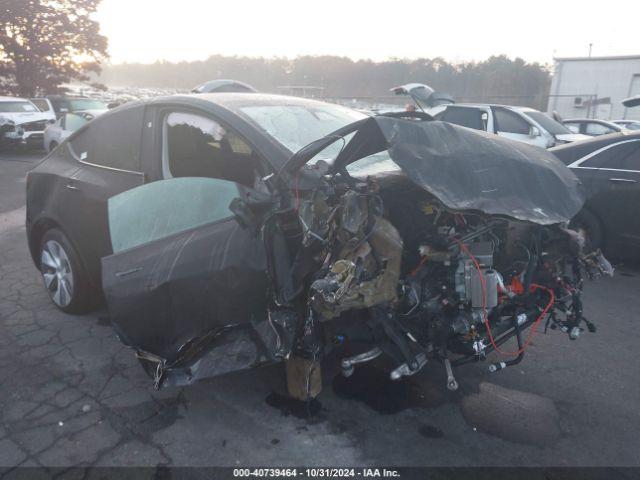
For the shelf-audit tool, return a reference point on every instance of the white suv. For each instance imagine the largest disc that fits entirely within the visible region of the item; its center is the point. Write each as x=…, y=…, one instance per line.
x=517, y=123
x=21, y=122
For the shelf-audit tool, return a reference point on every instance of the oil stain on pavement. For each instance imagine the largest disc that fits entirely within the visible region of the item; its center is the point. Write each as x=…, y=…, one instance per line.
x=373, y=387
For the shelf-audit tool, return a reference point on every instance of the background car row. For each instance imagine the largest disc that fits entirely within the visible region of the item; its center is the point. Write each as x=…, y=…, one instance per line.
x=24, y=122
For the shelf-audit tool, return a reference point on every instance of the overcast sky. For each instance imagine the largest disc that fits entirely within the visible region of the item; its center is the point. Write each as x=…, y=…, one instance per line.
x=536, y=30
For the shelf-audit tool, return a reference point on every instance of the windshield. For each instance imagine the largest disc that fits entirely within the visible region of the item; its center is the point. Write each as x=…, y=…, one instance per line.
x=86, y=104
x=296, y=126
x=17, y=107
x=548, y=123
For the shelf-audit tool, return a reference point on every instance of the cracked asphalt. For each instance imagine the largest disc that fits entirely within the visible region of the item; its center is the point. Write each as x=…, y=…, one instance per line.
x=72, y=395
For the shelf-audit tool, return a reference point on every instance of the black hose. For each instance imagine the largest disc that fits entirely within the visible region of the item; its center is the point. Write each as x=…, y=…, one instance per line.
x=520, y=356
x=499, y=342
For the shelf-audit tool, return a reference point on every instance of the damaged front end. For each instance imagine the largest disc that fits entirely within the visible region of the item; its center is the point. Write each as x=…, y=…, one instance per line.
x=444, y=248
x=420, y=241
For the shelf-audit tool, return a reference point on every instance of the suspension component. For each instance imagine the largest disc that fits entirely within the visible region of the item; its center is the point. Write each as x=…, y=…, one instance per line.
x=452, y=384
x=348, y=364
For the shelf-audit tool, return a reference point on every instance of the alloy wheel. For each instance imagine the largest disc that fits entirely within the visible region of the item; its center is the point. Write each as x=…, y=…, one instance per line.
x=57, y=273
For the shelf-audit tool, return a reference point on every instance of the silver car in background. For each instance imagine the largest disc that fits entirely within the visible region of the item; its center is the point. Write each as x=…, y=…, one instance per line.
x=66, y=125
x=593, y=127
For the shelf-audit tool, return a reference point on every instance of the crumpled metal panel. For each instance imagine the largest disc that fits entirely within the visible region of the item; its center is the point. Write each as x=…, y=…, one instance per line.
x=470, y=170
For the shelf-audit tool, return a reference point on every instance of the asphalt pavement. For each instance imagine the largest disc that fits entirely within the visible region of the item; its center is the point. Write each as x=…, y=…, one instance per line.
x=71, y=394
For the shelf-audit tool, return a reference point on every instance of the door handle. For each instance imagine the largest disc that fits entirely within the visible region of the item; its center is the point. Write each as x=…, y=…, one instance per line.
x=71, y=185
x=622, y=180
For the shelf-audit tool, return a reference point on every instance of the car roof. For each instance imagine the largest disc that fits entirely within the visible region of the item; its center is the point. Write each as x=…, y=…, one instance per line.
x=12, y=99
x=228, y=108
x=487, y=105
x=595, y=120
x=237, y=100
x=570, y=152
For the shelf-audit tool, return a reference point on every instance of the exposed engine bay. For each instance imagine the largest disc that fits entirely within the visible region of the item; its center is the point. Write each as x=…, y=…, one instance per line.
x=420, y=282
x=379, y=260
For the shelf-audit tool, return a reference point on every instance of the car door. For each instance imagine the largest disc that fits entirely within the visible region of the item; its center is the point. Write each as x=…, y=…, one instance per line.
x=108, y=152
x=509, y=124
x=613, y=174
x=186, y=285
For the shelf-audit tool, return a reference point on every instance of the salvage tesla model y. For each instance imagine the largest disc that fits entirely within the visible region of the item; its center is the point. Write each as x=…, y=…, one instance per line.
x=221, y=249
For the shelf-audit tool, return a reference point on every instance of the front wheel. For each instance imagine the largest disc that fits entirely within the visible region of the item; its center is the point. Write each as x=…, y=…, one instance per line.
x=64, y=276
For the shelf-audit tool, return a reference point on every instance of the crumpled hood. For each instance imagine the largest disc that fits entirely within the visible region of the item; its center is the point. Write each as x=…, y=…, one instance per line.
x=20, y=118
x=467, y=169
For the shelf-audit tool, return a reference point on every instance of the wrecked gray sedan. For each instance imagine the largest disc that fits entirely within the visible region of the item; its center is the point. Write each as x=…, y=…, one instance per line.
x=427, y=242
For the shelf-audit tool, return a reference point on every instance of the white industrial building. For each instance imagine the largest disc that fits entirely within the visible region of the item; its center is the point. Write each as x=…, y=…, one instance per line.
x=593, y=87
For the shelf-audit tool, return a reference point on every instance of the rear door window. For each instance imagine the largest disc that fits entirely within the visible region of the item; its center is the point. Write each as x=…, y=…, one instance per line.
x=624, y=156
x=466, y=117
x=574, y=127
x=112, y=140
x=594, y=129
x=510, y=122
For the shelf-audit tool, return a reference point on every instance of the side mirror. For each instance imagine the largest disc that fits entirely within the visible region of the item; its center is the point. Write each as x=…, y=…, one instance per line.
x=534, y=132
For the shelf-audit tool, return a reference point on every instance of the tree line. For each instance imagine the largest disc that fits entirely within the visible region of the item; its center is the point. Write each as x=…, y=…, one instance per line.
x=46, y=43
x=497, y=79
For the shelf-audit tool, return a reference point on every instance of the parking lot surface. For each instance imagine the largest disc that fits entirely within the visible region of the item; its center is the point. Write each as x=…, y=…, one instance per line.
x=71, y=394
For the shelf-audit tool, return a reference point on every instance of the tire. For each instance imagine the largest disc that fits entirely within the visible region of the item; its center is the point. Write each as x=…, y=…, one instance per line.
x=64, y=277
x=590, y=226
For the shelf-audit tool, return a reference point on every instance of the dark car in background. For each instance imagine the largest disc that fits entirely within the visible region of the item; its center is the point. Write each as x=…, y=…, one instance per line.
x=609, y=168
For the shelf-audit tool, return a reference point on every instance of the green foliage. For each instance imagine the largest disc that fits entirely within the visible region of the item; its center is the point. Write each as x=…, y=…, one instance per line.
x=44, y=43
x=497, y=79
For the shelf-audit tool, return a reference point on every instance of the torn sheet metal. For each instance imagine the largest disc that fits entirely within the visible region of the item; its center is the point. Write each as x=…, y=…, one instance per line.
x=466, y=169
